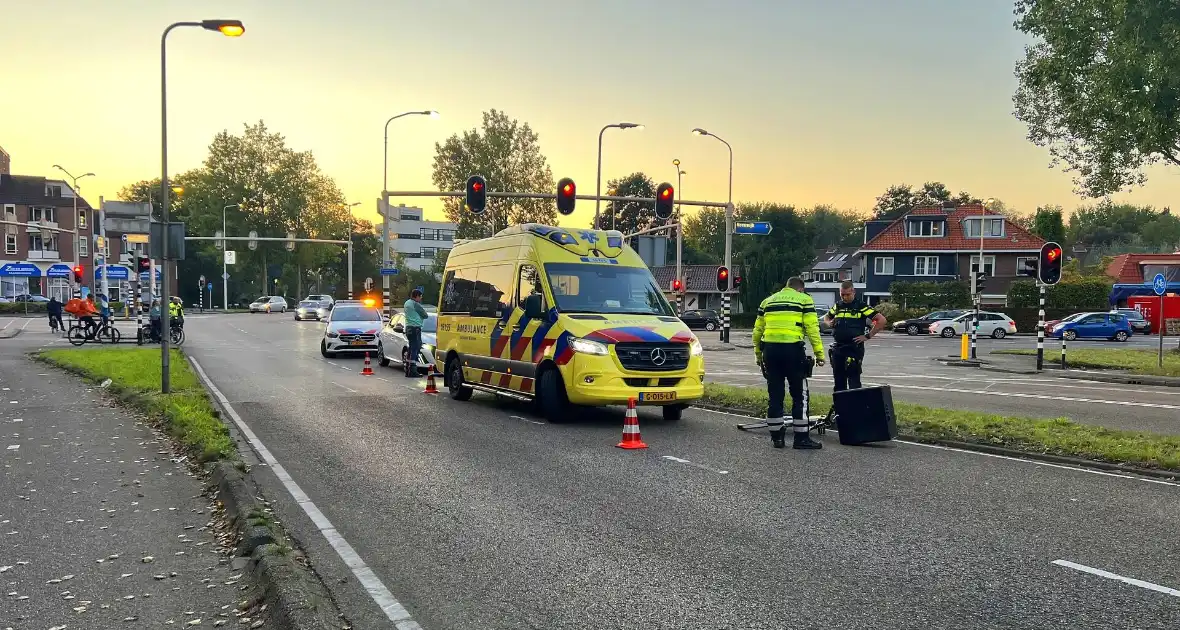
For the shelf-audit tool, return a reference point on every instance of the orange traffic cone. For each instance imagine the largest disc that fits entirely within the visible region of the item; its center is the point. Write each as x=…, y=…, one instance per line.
x=631, y=437
x=368, y=371
x=430, y=388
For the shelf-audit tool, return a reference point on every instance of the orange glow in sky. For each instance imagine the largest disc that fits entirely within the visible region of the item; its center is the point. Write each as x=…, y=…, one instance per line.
x=826, y=102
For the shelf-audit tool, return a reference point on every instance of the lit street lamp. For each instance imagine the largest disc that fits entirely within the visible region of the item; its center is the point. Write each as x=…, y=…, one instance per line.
x=598, y=182
x=386, y=306
x=728, y=228
x=77, y=228
x=229, y=28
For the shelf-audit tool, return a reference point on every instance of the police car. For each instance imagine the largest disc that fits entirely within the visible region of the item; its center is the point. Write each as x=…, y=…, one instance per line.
x=352, y=326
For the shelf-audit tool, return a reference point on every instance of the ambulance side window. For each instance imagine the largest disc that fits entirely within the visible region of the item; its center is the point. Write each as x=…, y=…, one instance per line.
x=456, y=290
x=492, y=291
x=530, y=284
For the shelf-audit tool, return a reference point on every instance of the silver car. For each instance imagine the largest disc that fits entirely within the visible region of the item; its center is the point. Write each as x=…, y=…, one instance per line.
x=995, y=325
x=395, y=346
x=269, y=304
x=312, y=309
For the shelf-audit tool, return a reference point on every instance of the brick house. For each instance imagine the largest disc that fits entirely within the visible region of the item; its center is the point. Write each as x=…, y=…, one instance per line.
x=942, y=244
x=38, y=256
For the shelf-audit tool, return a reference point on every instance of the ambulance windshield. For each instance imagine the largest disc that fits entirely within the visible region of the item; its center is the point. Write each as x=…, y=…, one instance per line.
x=605, y=289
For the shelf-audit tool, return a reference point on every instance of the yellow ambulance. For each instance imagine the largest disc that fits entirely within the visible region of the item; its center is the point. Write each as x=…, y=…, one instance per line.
x=562, y=317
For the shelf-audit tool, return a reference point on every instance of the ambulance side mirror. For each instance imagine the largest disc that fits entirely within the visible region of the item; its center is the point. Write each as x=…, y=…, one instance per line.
x=532, y=307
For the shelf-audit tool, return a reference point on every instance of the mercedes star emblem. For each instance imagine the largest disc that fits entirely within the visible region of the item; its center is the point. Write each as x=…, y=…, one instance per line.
x=658, y=357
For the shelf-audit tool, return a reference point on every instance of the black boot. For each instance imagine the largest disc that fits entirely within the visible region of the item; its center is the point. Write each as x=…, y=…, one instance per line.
x=804, y=441
x=779, y=438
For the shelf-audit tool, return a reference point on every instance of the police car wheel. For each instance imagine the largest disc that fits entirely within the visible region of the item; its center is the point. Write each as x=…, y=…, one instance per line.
x=673, y=413
x=324, y=350
x=458, y=391
x=551, y=397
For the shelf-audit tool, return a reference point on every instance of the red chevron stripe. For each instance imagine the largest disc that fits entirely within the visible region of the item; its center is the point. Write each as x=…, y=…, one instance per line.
x=486, y=377
x=505, y=380
x=522, y=344
x=526, y=385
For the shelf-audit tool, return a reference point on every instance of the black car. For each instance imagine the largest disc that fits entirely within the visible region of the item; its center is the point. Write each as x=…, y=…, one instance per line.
x=1139, y=324
x=921, y=325
x=707, y=319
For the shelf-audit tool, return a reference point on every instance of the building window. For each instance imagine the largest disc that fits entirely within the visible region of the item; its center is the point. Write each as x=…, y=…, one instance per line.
x=409, y=236
x=1023, y=262
x=426, y=234
x=925, y=265
x=58, y=288
x=43, y=214
x=993, y=228
x=81, y=219
x=42, y=242
x=989, y=265
x=10, y=243
x=83, y=246
x=429, y=252
x=883, y=266
x=52, y=191
x=410, y=217
x=426, y=267
x=9, y=212
x=926, y=228
x=444, y=235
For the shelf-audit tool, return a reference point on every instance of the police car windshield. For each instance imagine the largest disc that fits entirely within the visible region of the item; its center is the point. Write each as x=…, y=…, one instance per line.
x=605, y=289
x=356, y=314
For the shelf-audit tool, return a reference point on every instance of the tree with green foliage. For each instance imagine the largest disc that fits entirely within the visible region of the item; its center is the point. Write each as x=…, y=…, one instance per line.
x=899, y=199
x=1049, y=225
x=830, y=227
x=1100, y=87
x=507, y=153
x=630, y=216
x=704, y=233
x=767, y=261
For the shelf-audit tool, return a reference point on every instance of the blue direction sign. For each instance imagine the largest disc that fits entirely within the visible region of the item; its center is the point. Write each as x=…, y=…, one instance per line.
x=389, y=271
x=209, y=287
x=1159, y=284
x=760, y=228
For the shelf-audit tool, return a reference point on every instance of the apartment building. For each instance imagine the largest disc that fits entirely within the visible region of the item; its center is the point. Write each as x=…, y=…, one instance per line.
x=414, y=237
x=38, y=224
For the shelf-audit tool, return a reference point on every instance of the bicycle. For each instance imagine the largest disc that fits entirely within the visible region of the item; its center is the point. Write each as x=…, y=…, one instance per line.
x=79, y=334
x=176, y=335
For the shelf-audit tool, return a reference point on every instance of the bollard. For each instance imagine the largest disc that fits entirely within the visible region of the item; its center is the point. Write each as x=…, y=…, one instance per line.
x=964, y=347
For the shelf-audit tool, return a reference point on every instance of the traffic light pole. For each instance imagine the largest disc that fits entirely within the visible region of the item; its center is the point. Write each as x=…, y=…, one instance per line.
x=1041, y=328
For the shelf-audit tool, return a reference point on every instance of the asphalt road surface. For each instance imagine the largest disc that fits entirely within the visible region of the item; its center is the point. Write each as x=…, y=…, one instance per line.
x=906, y=364
x=480, y=515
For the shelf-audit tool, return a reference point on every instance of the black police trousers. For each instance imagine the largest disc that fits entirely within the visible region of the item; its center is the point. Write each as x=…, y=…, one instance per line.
x=785, y=361
x=846, y=359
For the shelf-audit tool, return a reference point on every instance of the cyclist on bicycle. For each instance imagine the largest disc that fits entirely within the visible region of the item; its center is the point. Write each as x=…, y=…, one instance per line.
x=104, y=310
x=54, y=307
x=176, y=312
x=87, y=316
x=154, y=315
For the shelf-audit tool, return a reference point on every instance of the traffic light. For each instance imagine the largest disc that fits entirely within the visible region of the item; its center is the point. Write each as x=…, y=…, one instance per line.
x=677, y=286
x=477, y=194
x=143, y=264
x=737, y=281
x=980, y=281
x=1049, y=267
x=723, y=279
x=665, y=196
x=567, y=193
x=77, y=273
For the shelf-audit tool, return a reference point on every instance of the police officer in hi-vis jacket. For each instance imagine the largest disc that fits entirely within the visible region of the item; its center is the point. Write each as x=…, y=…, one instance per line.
x=785, y=319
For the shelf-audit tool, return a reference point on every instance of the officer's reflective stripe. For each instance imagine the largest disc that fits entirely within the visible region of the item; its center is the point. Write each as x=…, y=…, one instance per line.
x=786, y=306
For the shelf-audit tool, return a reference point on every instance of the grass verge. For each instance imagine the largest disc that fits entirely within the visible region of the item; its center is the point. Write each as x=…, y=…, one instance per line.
x=1058, y=436
x=135, y=373
x=1131, y=360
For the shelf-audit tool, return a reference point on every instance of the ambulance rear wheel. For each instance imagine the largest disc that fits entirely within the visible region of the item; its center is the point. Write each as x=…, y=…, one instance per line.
x=551, y=399
x=455, y=385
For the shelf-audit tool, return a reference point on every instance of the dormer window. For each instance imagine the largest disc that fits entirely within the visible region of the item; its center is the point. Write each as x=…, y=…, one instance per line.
x=926, y=228
x=992, y=227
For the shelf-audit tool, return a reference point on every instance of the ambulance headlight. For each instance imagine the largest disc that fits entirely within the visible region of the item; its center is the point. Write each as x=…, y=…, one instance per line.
x=585, y=346
x=695, y=348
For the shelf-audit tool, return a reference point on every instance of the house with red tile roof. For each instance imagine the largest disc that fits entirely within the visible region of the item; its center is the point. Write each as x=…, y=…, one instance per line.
x=1141, y=268
x=941, y=244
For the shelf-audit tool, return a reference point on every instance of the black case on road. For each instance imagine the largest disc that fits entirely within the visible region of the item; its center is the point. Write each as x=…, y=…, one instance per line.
x=865, y=415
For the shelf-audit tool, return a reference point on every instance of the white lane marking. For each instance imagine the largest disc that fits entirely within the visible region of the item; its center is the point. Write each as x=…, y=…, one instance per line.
x=342, y=386
x=27, y=322
x=376, y=589
x=1114, y=576
x=952, y=449
x=8, y=324
x=694, y=464
x=13, y=447
x=525, y=419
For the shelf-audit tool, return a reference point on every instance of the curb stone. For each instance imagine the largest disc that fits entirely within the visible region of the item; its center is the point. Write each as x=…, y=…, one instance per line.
x=1165, y=475
x=291, y=591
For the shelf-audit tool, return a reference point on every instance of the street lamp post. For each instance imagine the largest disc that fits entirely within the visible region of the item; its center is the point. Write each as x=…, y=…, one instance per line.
x=229, y=28
x=77, y=228
x=385, y=297
x=978, y=272
x=349, y=207
x=598, y=181
x=224, y=264
x=728, y=234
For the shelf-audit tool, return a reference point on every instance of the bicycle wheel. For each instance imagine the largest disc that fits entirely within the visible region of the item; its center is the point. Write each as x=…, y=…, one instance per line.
x=110, y=334
x=77, y=335
x=177, y=336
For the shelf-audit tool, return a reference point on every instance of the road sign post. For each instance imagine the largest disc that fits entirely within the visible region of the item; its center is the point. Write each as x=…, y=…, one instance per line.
x=1160, y=285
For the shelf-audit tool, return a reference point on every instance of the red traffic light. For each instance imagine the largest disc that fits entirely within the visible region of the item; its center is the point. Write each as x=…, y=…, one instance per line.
x=724, y=273
x=666, y=193
x=1053, y=254
x=477, y=186
x=676, y=285
x=568, y=189
x=78, y=270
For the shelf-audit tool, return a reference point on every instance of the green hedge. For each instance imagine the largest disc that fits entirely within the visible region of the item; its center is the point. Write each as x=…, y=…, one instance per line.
x=1083, y=294
x=930, y=295
x=39, y=308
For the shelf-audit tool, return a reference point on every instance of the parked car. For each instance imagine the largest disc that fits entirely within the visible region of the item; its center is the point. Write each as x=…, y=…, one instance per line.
x=393, y=345
x=821, y=311
x=918, y=325
x=277, y=304
x=1139, y=323
x=1051, y=324
x=1113, y=326
x=701, y=318
x=995, y=325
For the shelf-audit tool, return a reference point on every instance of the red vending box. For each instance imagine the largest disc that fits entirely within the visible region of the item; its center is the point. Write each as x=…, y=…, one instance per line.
x=1149, y=306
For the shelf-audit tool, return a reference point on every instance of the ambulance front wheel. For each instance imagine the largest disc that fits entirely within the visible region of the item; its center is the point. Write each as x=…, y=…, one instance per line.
x=455, y=385
x=673, y=413
x=551, y=398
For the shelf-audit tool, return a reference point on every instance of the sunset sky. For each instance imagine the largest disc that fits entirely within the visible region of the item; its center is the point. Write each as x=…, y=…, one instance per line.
x=824, y=101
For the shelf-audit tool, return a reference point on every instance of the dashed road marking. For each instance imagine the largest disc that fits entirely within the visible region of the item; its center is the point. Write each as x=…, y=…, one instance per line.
x=372, y=584
x=343, y=387
x=1114, y=576
x=13, y=447
x=525, y=419
x=679, y=460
